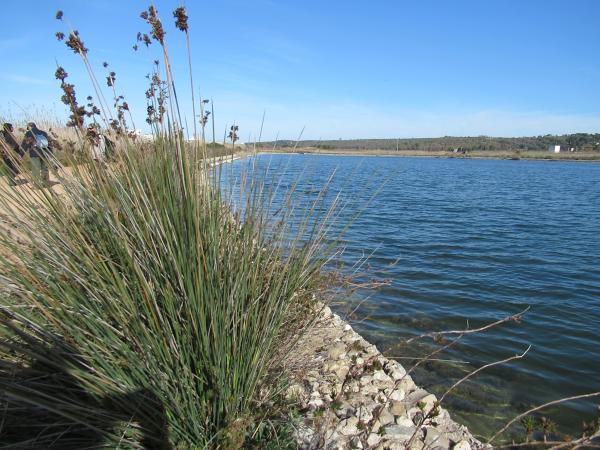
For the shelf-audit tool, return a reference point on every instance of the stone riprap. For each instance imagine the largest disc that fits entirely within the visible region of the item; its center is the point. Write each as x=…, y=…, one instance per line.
x=355, y=398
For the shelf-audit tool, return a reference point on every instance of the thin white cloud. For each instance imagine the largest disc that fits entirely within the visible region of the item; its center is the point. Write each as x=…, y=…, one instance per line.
x=25, y=79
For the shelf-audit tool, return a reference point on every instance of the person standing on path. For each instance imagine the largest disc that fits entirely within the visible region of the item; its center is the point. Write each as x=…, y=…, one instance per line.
x=37, y=143
x=9, y=150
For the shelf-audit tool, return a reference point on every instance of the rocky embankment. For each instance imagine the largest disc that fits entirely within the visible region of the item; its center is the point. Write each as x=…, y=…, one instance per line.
x=355, y=398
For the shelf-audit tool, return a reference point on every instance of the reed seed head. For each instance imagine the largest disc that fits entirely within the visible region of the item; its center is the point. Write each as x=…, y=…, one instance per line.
x=60, y=35
x=76, y=44
x=233, y=135
x=61, y=74
x=110, y=79
x=157, y=31
x=59, y=15
x=181, y=17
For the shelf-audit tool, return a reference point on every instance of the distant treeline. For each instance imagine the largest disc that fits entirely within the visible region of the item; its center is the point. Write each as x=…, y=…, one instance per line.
x=579, y=141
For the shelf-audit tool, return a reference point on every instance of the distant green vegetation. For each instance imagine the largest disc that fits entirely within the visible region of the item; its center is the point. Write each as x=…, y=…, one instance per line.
x=580, y=141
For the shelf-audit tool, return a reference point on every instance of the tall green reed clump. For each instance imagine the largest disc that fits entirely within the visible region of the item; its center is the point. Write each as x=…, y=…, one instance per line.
x=136, y=309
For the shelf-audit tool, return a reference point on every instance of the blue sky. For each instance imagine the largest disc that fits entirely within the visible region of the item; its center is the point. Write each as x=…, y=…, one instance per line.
x=340, y=69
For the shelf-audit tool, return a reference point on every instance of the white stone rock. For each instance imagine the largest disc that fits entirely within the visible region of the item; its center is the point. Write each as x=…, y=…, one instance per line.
x=315, y=403
x=373, y=439
x=398, y=409
x=381, y=397
x=380, y=375
x=416, y=395
x=397, y=395
x=462, y=445
x=416, y=445
x=376, y=426
x=359, y=361
x=386, y=417
x=326, y=312
x=429, y=401
x=354, y=387
x=406, y=384
x=369, y=389
x=404, y=421
x=392, y=445
x=399, y=432
x=433, y=437
x=347, y=327
x=356, y=443
x=348, y=427
x=371, y=350
x=337, y=351
x=366, y=379
x=364, y=413
x=304, y=434
x=341, y=372
x=345, y=410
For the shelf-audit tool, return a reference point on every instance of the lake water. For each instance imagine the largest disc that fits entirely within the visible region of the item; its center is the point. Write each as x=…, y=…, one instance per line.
x=464, y=243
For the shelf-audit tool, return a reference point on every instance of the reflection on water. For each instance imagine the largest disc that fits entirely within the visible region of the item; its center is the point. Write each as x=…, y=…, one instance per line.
x=467, y=242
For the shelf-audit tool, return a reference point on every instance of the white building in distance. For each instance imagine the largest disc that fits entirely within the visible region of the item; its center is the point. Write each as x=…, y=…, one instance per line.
x=554, y=148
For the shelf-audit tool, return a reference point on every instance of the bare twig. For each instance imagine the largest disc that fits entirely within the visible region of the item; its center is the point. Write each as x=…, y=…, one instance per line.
x=476, y=371
x=435, y=334
x=537, y=408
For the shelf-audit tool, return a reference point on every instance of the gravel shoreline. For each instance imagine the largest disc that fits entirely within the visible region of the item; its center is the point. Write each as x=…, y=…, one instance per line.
x=355, y=398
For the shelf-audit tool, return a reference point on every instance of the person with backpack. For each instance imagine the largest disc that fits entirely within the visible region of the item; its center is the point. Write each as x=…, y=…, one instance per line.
x=9, y=150
x=37, y=143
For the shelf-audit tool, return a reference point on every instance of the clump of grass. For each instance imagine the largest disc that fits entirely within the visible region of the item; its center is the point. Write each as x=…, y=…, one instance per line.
x=140, y=311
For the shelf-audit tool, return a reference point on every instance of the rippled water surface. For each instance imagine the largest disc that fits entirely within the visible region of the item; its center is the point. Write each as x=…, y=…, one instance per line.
x=465, y=242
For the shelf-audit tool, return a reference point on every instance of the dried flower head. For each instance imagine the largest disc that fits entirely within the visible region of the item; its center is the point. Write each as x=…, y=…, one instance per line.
x=75, y=43
x=157, y=32
x=182, y=19
x=147, y=40
x=204, y=119
x=89, y=98
x=135, y=47
x=92, y=134
x=59, y=15
x=60, y=35
x=110, y=79
x=61, y=74
x=104, y=64
x=205, y=101
x=233, y=135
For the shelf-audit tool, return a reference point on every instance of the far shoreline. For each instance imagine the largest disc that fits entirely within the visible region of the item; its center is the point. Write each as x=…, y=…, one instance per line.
x=508, y=156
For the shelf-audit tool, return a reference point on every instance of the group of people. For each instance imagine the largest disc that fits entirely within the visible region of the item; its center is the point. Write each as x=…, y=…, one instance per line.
x=36, y=143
